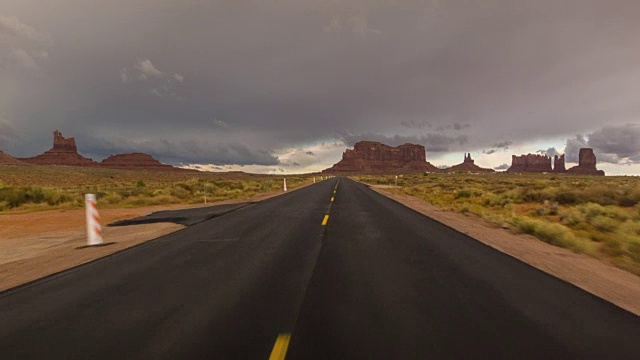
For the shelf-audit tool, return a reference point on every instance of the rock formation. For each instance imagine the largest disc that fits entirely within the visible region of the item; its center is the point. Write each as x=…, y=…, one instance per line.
x=6, y=159
x=376, y=158
x=135, y=161
x=586, y=164
x=468, y=165
x=531, y=163
x=558, y=164
x=64, y=152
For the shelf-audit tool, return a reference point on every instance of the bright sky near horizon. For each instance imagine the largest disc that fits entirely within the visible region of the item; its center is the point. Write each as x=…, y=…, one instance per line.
x=284, y=86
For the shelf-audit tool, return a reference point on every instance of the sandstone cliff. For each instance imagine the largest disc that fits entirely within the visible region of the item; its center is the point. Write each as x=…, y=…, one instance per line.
x=376, y=158
x=468, y=165
x=64, y=152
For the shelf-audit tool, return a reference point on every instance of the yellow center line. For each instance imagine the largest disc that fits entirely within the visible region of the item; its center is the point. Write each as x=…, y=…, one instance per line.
x=325, y=220
x=332, y=198
x=280, y=348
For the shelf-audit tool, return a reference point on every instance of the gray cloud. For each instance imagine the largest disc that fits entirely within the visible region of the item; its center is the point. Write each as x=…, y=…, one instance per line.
x=551, y=152
x=22, y=47
x=457, y=126
x=287, y=73
x=184, y=151
x=622, y=141
x=502, y=167
x=413, y=124
x=7, y=133
x=434, y=142
x=503, y=144
x=615, y=144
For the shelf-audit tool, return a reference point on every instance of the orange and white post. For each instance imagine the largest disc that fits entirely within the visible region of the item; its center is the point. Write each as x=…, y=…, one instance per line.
x=94, y=230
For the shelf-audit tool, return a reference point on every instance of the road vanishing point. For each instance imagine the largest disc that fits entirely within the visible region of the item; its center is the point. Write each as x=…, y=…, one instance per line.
x=333, y=270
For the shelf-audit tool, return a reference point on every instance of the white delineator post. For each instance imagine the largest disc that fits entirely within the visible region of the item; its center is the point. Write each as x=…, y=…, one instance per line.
x=285, y=184
x=94, y=230
x=314, y=179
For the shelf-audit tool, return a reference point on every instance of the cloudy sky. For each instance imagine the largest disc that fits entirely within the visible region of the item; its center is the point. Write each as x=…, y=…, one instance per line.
x=287, y=85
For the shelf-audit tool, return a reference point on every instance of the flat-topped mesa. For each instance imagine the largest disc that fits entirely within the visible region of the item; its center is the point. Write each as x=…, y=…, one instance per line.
x=468, y=165
x=135, y=161
x=375, y=157
x=530, y=163
x=586, y=164
x=64, y=152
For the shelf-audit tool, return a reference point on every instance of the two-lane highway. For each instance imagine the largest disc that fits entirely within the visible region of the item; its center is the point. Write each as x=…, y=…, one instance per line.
x=325, y=272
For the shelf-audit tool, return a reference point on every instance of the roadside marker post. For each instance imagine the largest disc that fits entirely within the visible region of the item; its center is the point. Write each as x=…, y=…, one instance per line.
x=94, y=230
x=285, y=184
x=314, y=179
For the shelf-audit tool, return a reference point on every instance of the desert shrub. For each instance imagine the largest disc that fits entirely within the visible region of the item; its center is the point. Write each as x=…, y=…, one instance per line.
x=554, y=234
x=464, y=193
x=14, y=197
x=604, y=224
x=630, y=227
x=634, y=250
x=571, y=217
x=180, y=192
x=629, y=198
x=567, y=197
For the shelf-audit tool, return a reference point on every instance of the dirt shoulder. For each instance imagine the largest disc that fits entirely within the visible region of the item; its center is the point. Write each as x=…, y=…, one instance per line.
x=603, y=280
x=38, y=244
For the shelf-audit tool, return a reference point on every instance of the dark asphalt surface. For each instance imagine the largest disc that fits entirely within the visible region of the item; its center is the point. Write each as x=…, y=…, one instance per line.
x=187, y=217
x=380, y=281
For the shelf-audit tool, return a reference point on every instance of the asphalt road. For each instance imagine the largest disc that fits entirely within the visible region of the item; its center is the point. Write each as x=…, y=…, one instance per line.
x=378, y=281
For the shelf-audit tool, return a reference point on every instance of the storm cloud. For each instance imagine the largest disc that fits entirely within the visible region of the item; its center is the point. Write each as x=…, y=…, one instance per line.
x=435, y=142
x=242, y=83
x=612, y=144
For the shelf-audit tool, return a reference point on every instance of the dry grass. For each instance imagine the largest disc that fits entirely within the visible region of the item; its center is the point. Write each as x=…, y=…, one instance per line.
x=36, y=188
x=598, y=216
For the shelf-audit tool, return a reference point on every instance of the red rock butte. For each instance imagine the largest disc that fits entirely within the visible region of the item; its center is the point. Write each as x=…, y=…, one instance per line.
x=536, y=163
x=586, y=164
x=371, y=157
x=134, y=161
x=469, y=166
x=64, y=152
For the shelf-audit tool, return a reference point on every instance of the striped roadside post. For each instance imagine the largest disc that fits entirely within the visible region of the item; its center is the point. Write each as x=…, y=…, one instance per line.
x=94, y=230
